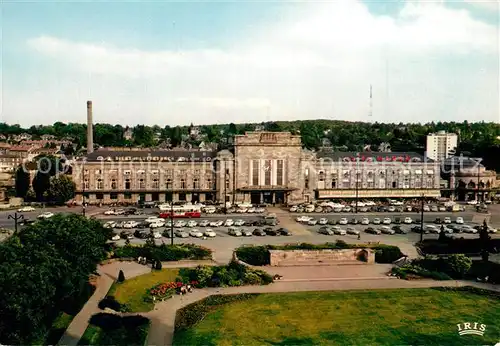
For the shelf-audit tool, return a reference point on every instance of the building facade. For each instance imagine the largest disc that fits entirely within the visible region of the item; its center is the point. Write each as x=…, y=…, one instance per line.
x=262, y=167
x=441, y=145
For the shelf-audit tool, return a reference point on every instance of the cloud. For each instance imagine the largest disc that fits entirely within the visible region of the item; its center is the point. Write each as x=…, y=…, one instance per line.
x=493, y=5
x=427, y=63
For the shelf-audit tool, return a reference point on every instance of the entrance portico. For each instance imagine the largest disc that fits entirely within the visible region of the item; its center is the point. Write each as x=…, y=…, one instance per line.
x=265, y=195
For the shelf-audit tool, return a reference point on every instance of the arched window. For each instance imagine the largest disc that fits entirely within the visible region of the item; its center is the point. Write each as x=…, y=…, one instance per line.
x=99, y=184
x=113, y=184
x=156, y=184
x=471, y=185
x=169, y=183
x=196, y=184
x=183, y=184
x=127, y=184
x=142, y=184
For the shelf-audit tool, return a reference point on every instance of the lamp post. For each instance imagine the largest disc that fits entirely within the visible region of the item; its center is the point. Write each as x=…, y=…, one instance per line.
x=172, y=210
x=357, y=182
x=422, y=218
x=16, y=218
x=225, y=185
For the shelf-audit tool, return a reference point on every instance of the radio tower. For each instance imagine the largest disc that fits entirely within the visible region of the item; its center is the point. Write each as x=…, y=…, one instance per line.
x=370, y=111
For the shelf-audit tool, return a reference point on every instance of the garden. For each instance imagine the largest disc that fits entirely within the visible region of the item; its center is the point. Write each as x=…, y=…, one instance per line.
x=259, y=255
x=111, y=329
x=140, y=293
x=389, y=317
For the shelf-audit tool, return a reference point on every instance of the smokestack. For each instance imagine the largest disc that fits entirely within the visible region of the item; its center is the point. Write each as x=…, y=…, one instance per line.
x=90, y=129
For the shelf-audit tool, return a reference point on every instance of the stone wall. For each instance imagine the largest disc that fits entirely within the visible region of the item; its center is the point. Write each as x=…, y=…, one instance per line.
x=318, y=257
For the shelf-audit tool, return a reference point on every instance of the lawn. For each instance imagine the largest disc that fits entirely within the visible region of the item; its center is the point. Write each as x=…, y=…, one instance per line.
x=132, y=291
x=122, y=336
x=389, y=317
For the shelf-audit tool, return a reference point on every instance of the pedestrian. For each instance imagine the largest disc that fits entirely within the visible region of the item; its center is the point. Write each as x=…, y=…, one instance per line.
x=359, y=236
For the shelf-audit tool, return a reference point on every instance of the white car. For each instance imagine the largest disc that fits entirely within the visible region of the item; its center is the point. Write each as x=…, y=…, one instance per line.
x=157, y=235
x=442, y=208
x=376, y=221
x=468, y=229
x=110, y=224
x=209, y=233
x=246, y=232
x=239, y=222
x=210, y=210
x=229, y=223
x=191, y=223
x=116, y=237
x=323, y=221
x=251, y=210
x=391, y=209
x=492, y=230
x=214, y=223
x=234, y=232
x=195, y=233
x=343, y=221
x=427, y=208
x=303, y=218
x=293, y=209
x=46, y=215
x=157, y=224
x=351, y=230
x=180, y=224
x=242, y=210
x=459, y=220
x=432, y=229
x=338, y=230
x=181, y=234
x=447, y=220
x=312, y=222
x=365, y=221
x=153, y=219
x=447, y=230
x=204, y=223
x=260, y=210
x=25, y=209
x=109, y=212
x=387, y=221
x=408, y=220
x=473, y=202
x=130, y=224
x=219, y=223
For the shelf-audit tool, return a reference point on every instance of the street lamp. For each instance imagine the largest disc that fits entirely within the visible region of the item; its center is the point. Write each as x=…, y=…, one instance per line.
x=16, y=218
x=225, y=185
x=172, y=210
x=357, y=182
x=422, y=218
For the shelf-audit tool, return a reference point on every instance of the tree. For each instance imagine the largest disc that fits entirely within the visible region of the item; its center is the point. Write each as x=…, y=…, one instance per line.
x=143, y=136
x=22, y=182
x=485, y=241
x=442, y=235
x=158, y=265
x=458, y=264
x=61, y=189
x=121, y=276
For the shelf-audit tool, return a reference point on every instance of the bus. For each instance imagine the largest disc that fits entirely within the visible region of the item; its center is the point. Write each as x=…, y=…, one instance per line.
x=180, y=211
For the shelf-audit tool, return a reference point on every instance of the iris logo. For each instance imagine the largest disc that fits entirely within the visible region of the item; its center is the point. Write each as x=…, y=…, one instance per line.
x=471, y=328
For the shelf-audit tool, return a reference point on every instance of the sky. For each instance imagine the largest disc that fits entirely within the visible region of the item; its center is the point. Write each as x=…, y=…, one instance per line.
x=204, y=62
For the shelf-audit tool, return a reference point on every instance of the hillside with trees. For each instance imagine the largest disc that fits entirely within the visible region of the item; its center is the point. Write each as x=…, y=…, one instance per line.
x=476, y=139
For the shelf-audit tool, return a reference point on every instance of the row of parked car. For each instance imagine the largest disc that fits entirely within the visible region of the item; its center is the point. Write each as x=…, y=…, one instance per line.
x=366, y=221
x=311, y=208
x=156, y=222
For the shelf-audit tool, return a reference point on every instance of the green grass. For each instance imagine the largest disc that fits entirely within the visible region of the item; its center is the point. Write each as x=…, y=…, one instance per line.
x=96, y=336
x=133, y=291
x=383, y=317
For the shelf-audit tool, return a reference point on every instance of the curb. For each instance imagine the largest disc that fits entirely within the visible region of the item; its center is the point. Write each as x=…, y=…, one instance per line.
x=339, y=279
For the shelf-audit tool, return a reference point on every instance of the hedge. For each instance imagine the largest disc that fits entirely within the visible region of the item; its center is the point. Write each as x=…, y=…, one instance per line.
x=233, y=274
x=259, y=255
x=111, y=303
x=112, y=321
x=456, y=245
x=191, y=314
x=164, y=252
x=403, y=272
x=116, y=330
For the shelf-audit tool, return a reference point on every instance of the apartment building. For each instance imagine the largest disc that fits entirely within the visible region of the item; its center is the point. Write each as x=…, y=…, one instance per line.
x=441, y=145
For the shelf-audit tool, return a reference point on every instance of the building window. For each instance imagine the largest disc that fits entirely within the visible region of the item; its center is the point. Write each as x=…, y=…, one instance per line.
x=406, y=183
x=142, y=184
x=99, y=184
x=126, y=172
x=113, y=184
x=279, y=173
x=370, y=184
x=334, y=181
x=394, y=184
x=196, y=184
x=183, y=184
x=182, y=172
x=418, y=183
x=169, y=173
x=255, y=172
x=156, y=184
x=86, y=184
x=127, y=184
x=169, y=183
x=182, y=197
x=99, y=196
x=267, y=173
x=113, y=195
x=209, y=183
x=306, y=183
x=98, y=171
x=430, y=182
x=227, y=171
x=127, y=195
x=321, y=176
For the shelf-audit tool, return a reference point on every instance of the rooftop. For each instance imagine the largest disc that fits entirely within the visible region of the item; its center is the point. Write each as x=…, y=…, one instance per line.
x=151, y=155
x=348, y=156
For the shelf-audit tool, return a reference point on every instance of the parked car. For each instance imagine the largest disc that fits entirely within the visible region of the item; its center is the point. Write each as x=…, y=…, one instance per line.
x=303, y=218
x=116, y=237
x=284, y=231
x=109, y=224
x=180, y=224
x=408, y=220
x=397, y=221
x=459, y=220
x=180, y=234
x=131, y=224
x=239, y=223
x=447, y=229
x=293, y=209
x=365, y=221
x=343, y=221
x=432, y=229
x=387, y=230
x=234, y=232
x=438, y=220
x=372, y=230
x=126, y=235
x=468, y=229
x=46, y=215
x=434, y=208
x=323, y=221
x=418, y=229
x=120, y=224
x=447, y=220
x=354, y=221
x=25, y=222
x=259, y=232
x=376, y=221
x=191, y=223
x=338, y=230
x=109, y=212
x=119, y=212
x=398, y=229
x=442, y=208
x=228, y=223
x=427, y=208
x=387, y=221
x=270, y=231
x=153, y=219
x=157, y=224
x=209, y=233
x=351, y=230
x=141, y=234
x=347, y=209
x=312, y=222
x=325, y=230
x=391, y=209
x=204, y=223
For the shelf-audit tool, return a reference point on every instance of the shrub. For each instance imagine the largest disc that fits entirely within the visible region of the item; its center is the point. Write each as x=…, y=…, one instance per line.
x=111, y=303
x=460, y=245
x=403, y=272
x=481, y=269
x=254, y=255
x=112, y=321
x=158, y=265
x=458, y=265
x=164, y=252
x=191, y=314
x=121, y=276
x=387, y=253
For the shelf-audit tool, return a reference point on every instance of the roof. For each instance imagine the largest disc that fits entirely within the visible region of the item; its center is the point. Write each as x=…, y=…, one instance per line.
x=151, y=155
x=460, y=162
x=350, y=156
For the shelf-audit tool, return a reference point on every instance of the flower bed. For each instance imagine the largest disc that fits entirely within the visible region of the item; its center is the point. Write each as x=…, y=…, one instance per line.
x=166, y=290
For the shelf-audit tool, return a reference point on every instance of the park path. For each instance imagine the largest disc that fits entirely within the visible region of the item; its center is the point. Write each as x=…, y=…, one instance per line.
x=163, y=316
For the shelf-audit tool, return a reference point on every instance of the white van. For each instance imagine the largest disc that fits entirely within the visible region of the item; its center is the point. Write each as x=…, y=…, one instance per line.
x=310, y=208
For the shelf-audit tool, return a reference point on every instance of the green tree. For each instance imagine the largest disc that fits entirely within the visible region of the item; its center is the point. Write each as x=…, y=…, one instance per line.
x=121, y=276
x=458, y=264
x=22, y=182
x=143, y=136
x=61, y=189
x=485, y=241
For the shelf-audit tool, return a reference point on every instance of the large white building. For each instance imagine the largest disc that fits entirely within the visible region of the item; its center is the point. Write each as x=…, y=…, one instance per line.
x=441, y=145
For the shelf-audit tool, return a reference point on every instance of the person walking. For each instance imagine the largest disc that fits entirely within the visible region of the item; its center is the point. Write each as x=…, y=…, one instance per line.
x=359, y=236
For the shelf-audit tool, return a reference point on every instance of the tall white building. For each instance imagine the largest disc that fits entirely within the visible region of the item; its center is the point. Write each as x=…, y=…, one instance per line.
x=441, y=145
